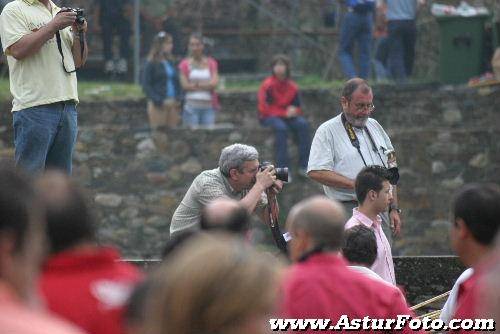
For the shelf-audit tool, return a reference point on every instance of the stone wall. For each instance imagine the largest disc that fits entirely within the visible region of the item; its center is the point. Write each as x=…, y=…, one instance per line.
x=443, y=137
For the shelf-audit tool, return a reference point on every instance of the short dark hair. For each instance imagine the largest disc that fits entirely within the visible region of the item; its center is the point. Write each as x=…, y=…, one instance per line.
x=69, y=219
x=478, y=205
x=370, y=178
x=18, y=204
x=352, y=85
x=236, y=221
x=327, y=232
x=360, y=245
x=281, y=58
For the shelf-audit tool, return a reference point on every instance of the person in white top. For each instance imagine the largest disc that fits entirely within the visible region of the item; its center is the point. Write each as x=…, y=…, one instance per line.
x=345, y=144
x=451, y=303
x=199, y=77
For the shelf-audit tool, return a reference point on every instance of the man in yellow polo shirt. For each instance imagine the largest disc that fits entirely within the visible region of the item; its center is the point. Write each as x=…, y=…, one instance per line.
x=42, y=81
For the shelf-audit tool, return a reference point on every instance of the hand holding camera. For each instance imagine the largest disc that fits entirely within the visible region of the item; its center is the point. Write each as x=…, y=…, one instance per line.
x=265, y=177
x=70, y=17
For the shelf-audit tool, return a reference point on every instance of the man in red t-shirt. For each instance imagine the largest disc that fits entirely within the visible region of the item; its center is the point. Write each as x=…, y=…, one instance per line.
x=476, y=221
x=320, y=285
x=82, y=282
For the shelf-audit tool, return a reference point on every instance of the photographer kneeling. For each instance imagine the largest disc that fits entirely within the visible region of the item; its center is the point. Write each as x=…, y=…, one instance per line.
x=238, y=176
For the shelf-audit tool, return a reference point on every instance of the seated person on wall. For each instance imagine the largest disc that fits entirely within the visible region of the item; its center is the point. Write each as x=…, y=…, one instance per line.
x=199, y=77
x=237, y=176
x=161, y=84
x=374, y=193
x=280, y=108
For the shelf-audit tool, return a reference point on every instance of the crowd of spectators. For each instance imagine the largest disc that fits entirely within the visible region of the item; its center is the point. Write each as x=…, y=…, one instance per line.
x=56, y=278
x=388, y=27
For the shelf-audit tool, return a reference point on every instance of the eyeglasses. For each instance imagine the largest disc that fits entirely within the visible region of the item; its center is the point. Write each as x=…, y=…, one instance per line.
x=363, y=106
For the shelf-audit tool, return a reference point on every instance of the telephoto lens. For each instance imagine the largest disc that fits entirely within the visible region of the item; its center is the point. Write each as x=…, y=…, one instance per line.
x=281, y=172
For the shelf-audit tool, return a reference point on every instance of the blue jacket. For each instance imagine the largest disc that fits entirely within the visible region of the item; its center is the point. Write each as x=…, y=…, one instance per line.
x=154, y=83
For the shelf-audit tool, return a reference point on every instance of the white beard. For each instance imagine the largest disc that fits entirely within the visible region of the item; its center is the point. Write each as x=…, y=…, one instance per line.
x=358, y=122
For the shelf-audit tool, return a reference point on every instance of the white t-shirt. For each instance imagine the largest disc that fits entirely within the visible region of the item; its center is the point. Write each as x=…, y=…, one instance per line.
x=332, y=150
x=199, y=75
x=38, y=79
x=450, y=306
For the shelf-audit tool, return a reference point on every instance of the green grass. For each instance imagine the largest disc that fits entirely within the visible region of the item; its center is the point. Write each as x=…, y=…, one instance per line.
x=108, y=91
x=91, y=91
x=4, y=90
x=116, y=91
x=304, y=82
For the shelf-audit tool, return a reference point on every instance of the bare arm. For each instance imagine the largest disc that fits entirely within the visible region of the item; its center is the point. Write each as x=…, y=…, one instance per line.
x=32, y=43
x=211, y=85
x=264, y=180
x=185, y=84
x=76, y=50
x=192, y=86
x=252, y=198
x=331, y=179
x=394, y=216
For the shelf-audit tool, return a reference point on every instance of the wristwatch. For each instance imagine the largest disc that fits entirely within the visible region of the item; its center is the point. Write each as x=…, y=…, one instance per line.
x=394, y=207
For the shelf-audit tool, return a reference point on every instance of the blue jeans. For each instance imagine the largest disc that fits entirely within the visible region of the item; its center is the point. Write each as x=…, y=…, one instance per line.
x=300, y=128
x=198, y=116
x=44, y=136
x=402, y=38
x=356, y=28
x=380, y=59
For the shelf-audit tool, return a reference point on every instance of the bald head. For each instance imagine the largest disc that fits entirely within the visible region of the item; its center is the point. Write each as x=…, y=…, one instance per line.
x=321, y=219
x=225, y=214
x=69, y=221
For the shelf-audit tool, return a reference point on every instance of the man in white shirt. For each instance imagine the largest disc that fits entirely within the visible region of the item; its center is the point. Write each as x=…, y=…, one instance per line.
x=345, y=144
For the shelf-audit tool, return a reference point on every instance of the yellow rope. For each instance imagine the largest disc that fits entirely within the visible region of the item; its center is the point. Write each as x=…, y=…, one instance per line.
x=433, y=315
x=427, y=302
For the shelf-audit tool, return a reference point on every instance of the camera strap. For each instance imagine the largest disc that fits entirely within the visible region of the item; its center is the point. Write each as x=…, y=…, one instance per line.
x=59, y=47
x=355, y=141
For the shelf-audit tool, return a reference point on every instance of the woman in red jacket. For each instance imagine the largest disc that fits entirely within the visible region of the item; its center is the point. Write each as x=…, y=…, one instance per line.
x=280, y=109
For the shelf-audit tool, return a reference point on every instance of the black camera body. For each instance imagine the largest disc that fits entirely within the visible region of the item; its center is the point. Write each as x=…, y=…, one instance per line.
x=80, y=14
x=281, y=172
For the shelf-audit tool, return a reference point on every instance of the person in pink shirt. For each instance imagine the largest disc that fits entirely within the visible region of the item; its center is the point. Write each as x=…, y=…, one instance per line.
x=374, y=193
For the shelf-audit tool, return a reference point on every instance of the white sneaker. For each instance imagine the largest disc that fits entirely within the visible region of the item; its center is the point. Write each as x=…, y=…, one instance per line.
x=109, y=66
x=121, y=66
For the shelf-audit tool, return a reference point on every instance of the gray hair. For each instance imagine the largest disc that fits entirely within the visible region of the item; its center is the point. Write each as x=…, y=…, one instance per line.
x=234, y=156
